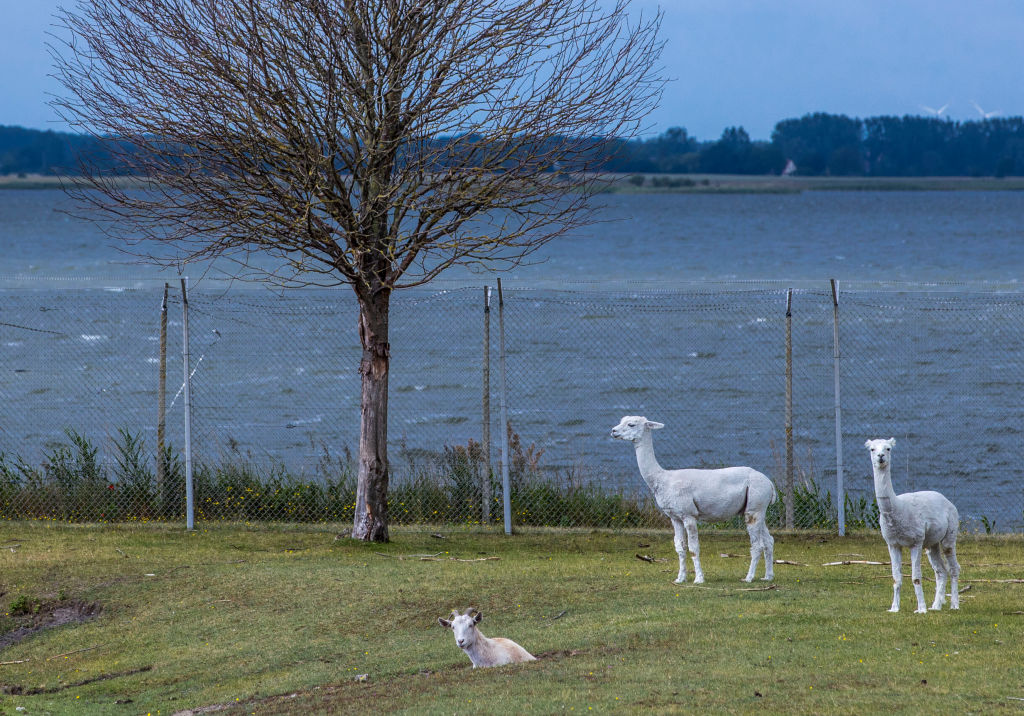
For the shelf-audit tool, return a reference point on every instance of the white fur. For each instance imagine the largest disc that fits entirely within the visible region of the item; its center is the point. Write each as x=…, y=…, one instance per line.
x=918, y=520
x=686, y=496
x=481, y=650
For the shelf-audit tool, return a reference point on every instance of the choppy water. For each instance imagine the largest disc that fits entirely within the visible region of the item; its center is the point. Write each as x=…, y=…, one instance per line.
x=675, y=308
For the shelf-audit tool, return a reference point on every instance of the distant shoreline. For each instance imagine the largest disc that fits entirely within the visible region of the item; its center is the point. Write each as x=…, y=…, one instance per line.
x=743, y=184
x=702, y=183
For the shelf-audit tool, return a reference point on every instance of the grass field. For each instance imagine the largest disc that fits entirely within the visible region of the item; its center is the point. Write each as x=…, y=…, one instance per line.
x=268, y=619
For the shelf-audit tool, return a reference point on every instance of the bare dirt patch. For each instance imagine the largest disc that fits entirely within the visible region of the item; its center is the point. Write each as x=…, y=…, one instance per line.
x=49, y=616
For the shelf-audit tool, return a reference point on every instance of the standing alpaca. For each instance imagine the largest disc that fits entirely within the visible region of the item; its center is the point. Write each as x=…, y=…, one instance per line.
x=686, y=496
x=917, y=520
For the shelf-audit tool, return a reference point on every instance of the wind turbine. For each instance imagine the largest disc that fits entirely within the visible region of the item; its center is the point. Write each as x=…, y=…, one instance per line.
x=983, y=113
x=937, y=112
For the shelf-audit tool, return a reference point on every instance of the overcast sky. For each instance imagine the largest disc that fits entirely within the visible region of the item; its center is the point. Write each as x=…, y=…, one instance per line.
x=746, y=63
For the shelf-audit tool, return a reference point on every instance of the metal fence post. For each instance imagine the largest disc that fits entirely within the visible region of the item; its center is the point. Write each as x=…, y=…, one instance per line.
x=485, y=480
x=161, y=409
x=840, y=488
x=789, y=409
x=189, y=498
x=505, y=482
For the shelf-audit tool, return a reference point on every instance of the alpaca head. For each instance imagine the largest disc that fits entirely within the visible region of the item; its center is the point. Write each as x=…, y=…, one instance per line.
x=632, y=427
x=880, y=452
x=464, y=626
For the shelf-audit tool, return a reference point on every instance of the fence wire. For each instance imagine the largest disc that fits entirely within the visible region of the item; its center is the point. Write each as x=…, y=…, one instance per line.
x=275, y=400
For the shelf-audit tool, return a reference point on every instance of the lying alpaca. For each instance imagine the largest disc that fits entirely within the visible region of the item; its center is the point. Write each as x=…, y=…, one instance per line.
x=918, y=520
x=686, y=496
x=481, y=650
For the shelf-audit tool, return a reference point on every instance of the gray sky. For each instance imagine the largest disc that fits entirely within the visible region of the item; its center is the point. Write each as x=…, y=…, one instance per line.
x=743, y=63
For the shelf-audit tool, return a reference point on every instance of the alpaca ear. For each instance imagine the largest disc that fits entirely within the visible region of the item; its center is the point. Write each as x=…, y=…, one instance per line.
x=655, y=426
x=867, y=444
x=892, y=441
x=444, y=622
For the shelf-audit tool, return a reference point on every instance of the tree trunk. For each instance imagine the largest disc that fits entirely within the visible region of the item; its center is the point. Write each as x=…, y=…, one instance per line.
x=371, y=513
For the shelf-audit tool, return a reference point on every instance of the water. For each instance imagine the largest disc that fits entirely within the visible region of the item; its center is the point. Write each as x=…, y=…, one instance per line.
x=863, y=236
x=597, y=328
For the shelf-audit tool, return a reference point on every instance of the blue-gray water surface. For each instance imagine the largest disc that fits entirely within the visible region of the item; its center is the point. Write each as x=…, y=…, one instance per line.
x=672, y=306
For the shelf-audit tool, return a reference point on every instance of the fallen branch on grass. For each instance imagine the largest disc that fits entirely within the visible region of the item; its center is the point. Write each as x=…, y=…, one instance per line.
x=996, y=581
x=729, y=555
x=457, y=559
x=77, y=651
x=852, y=561
x=769, y=588
x=648, y=558
x=408, y=556
x=16, y=661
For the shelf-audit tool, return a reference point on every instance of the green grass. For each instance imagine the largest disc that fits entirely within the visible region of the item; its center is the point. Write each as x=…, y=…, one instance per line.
x=284, y=619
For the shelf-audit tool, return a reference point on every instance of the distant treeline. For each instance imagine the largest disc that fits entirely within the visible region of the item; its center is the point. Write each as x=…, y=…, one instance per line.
x=814, y=145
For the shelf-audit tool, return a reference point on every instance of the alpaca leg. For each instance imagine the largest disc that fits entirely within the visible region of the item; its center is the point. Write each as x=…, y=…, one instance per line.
x=756, y=546
x=896, y=559
x=768, y=542
x=954, y=576
x=915, y=573
x=680, y=541
x=935, y=557
x=694, y=545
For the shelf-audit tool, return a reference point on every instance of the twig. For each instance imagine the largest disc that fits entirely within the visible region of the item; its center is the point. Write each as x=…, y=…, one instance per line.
x=409, y=556
x=964, y=589
x=456, y=559
x=17, y=661
x=648, y=558
x=69, y=653
x=1016, y=612
x=995, y=581
x=438, y=535
x=560, y=614
x=12, y=546
x=769, y=588
x=995, y=564
x=795, y=564
x=851, y=561
x=120, y=552
x=727, y=555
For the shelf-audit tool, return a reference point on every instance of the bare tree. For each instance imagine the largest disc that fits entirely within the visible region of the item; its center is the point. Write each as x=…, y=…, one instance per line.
x=373, y=143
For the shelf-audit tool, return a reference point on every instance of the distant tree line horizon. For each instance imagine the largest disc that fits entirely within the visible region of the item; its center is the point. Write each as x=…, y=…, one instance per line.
x=817, y=144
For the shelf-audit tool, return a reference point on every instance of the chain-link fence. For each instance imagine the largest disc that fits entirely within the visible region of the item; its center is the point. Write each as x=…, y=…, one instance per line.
x=275, y=399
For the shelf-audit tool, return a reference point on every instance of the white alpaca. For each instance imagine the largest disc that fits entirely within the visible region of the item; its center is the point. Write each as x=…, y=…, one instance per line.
x=686, y=496
x=918, y=520
x=481, y=650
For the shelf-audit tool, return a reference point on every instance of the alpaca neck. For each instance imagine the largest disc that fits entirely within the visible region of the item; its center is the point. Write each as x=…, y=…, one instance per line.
x=883, y=488
x=650, y=470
